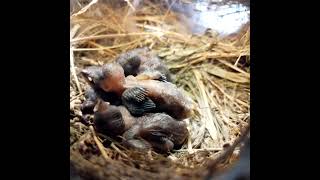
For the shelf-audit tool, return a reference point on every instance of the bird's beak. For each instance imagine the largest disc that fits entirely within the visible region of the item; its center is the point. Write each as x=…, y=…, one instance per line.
x=86, y=74
x=101, y=106
x=96, y=107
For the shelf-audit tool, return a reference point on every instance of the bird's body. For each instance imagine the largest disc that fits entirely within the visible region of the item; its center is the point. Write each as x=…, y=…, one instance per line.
x=157, y=130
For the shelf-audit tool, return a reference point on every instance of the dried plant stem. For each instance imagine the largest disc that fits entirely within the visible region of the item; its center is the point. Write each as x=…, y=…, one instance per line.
x=209, y=120
x=228, y=152
x=202, y=149
x=73, y=32
x=84, y=9
x=87, y=29
x=236, y=63
x=225, y=94
x=106, y=47
x=73, y=71
x=180, y=36
x=118, y=150
x=168, y=11
x=75, y=97
x=111, y=53
x=99, y=144
x=234, y=67
x=111, y=36
x=130, y=5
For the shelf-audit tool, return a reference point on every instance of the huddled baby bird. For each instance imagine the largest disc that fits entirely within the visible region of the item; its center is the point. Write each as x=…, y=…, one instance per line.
x=134, y=97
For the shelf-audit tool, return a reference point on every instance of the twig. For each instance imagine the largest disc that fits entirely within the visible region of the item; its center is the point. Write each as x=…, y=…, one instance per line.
x=73, y=71
x=118, y=150
x=100, y=47
x=88, y=29
x=239, y=11
x=189, y=145
x=225, y=94
x=100, y=146
x=130, y=5
x=161, y=30
x=236, y=63
x=167, y=12
x=202, y=149
x=221, y=126
x=227, y=152
x=85, y=8
x=105, y=47
x=235, y=66
x=111, y=36
x=73, y=31
x=75, y=97
x=114, y=18
x=210, y=122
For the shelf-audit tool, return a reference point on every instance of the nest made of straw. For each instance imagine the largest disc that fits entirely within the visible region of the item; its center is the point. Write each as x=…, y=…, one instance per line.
x=214, y=71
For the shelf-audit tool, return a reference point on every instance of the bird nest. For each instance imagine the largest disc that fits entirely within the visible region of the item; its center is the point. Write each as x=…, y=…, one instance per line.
x=213, y=71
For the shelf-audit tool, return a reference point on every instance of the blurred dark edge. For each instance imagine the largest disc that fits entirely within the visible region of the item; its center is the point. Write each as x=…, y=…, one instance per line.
x=73, y=174
x=241, y=170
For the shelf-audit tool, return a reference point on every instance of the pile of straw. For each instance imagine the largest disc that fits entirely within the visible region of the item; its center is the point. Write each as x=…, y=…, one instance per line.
x=214, y=71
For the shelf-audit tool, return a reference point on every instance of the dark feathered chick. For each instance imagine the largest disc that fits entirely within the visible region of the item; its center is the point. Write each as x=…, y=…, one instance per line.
x=157, y=131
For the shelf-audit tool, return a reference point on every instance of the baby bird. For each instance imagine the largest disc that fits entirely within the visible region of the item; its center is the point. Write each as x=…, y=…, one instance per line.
x=142, y=96
x=142, y=62
x=91, y=75
x=111, y=120
x=158, y=131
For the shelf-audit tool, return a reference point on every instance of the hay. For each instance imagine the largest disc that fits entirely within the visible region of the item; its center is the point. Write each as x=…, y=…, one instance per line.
x=214, y=71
